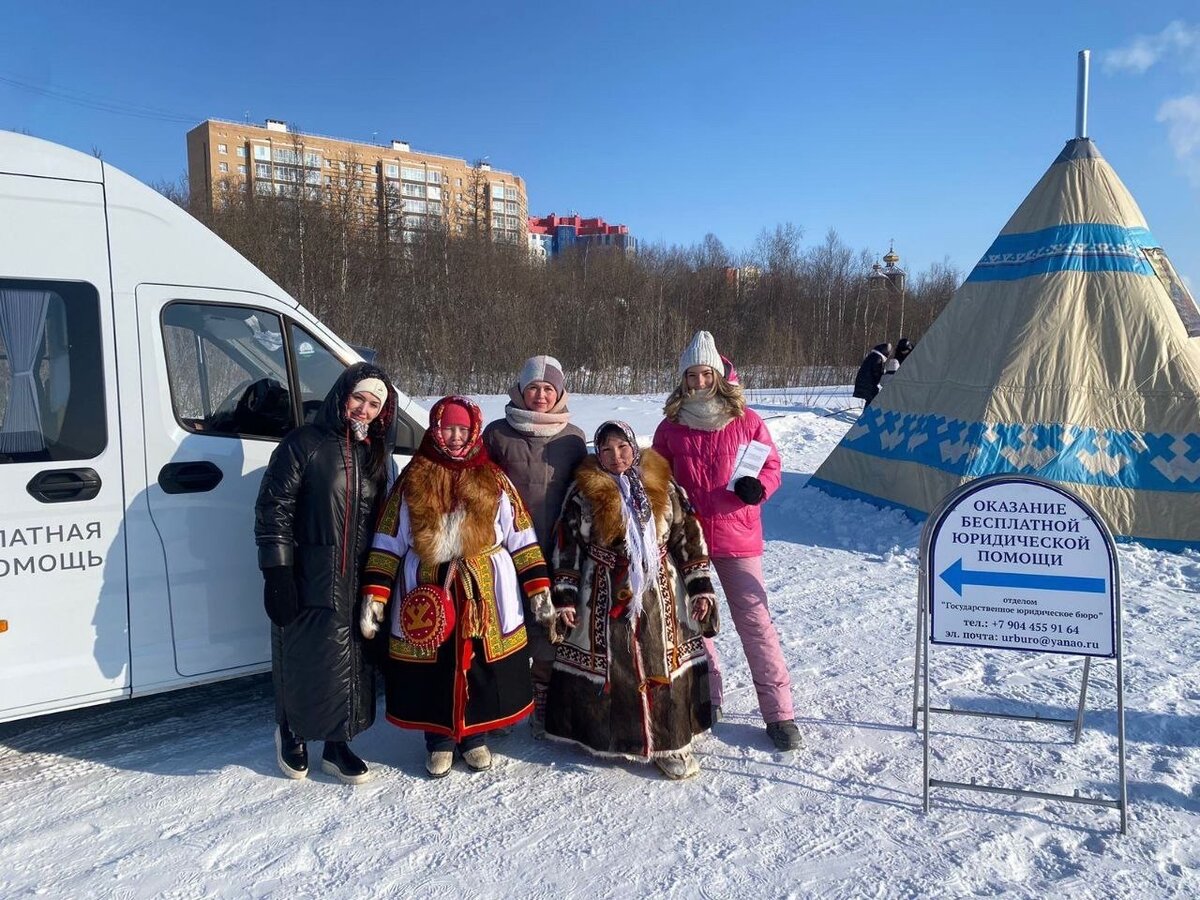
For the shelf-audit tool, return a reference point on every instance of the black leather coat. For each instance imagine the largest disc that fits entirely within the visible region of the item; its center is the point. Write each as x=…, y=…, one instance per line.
x=316, y=512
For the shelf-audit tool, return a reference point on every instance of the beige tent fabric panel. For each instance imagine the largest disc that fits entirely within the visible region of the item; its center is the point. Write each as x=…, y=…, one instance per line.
x=945, y=377
x=1102, y=349
x=1151, y=515
x=1082, y=191
x=1107, y=352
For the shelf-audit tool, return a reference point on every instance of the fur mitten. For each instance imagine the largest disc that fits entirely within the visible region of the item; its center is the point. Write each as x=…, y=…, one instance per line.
x=373, y=612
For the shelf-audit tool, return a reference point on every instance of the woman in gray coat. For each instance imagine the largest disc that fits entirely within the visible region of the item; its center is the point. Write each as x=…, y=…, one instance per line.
x=538, y=449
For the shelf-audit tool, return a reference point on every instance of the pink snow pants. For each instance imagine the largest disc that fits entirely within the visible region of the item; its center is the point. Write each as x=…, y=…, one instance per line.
x=746, y=597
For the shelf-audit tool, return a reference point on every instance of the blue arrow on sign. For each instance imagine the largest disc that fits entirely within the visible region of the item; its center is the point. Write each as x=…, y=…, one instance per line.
x=956, y=576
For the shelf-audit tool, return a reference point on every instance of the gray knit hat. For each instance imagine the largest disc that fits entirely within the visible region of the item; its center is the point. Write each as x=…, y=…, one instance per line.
x=541, y=368
x=702, y=351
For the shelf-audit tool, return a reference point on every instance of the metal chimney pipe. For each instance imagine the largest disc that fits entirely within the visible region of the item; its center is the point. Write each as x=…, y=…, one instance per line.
x=1081, y=94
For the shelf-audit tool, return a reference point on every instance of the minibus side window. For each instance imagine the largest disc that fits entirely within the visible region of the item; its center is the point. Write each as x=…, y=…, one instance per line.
x=227, y=368
x=51, y=372
x=317, y=369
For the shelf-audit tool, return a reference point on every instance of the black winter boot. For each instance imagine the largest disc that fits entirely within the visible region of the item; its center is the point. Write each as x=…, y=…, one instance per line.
x=784, y=735
x=291, y=753
x=341, y=762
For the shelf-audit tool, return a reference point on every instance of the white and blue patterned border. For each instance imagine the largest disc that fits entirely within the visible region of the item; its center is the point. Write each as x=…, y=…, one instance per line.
x=1070, y=454
x=917, y=515
x=1066, y=248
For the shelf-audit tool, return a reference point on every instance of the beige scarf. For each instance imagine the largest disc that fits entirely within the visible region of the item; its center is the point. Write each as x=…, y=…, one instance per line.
x=705, y=411
x=536, y=424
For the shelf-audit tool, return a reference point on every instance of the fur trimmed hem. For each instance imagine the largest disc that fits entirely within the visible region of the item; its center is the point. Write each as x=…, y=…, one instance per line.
x=600, y=679
x=627, y=757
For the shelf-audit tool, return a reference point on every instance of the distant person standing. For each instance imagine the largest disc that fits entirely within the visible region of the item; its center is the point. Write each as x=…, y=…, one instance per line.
x=903, y=347
x=870, y=373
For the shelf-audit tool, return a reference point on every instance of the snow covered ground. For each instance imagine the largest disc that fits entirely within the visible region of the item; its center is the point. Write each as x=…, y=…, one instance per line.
x=179, y=796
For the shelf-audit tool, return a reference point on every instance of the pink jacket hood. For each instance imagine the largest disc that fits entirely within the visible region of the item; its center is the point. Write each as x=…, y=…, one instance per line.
x=702, y=462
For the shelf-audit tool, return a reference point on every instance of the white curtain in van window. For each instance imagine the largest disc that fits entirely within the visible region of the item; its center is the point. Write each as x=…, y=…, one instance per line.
x=22, y=324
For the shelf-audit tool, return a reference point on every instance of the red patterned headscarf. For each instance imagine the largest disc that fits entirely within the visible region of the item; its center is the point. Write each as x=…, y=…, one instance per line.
x=434, y=448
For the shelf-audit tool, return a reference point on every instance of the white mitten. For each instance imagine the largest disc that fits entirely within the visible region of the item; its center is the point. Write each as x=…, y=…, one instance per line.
x=373, y=612
x=542, y=608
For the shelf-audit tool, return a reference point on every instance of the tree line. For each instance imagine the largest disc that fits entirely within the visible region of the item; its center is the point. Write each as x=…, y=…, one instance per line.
x=456, y=311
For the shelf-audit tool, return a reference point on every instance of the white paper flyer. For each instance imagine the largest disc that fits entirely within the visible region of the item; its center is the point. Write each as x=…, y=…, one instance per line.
x=751, y=458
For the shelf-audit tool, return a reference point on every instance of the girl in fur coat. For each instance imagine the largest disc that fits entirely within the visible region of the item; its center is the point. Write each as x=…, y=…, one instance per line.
x=633, y=595
x=455, y=520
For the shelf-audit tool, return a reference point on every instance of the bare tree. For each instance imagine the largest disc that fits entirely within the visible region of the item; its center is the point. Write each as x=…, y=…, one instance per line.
x=458, y=311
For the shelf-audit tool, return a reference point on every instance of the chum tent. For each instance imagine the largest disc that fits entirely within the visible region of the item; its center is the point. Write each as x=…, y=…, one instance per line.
x=1070, y=352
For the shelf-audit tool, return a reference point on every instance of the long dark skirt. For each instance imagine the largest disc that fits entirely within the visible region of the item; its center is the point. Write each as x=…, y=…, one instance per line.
x=459, y=693
x=617, y=718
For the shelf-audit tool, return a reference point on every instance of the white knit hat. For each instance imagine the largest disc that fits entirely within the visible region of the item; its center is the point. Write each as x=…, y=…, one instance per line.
x=702, y=351
x=374, y=386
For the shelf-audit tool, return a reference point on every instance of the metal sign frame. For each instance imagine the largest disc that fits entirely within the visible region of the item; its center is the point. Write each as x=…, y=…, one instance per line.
x=924, y=643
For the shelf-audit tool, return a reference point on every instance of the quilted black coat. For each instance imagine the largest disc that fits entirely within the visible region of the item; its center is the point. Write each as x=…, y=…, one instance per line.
x=316, y=512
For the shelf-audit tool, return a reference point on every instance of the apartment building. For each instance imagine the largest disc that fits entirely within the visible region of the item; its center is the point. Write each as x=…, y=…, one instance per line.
x=402, y=190
x=552, y=235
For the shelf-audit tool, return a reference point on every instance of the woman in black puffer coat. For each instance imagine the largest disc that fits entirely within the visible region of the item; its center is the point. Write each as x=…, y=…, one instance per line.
x=870, y=373
x=313, y=525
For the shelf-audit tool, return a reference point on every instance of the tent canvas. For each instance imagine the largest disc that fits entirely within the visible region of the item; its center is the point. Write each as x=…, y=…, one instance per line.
x=1071, y=351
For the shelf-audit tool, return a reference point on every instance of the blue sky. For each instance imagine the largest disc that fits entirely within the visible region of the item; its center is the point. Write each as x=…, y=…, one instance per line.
x=923, y=122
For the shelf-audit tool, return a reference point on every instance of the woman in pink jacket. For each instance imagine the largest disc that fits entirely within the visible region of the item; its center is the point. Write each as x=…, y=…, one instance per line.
x=706, y=426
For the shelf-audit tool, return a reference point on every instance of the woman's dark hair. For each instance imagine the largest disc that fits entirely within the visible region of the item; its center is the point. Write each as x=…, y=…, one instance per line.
x=610, y=430
x=378, y=452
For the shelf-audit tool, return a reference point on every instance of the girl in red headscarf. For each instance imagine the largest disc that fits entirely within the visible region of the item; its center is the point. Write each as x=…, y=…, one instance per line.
x=454, y=520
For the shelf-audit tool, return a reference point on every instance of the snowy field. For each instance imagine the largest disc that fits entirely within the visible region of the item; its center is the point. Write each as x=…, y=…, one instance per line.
x=179, y=796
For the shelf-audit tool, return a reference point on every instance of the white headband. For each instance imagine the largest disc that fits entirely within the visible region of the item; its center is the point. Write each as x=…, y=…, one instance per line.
x=372, y=386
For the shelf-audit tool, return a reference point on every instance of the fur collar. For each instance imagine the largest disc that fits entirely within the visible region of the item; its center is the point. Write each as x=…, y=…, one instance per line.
x=602, y=494
x=452, y=514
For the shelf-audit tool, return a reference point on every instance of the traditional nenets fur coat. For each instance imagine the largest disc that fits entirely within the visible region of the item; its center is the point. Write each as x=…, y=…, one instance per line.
x=465, y=511
x=631, y=678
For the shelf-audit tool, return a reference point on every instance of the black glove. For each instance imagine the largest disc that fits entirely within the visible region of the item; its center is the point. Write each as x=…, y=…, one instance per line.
x=749, y=490
x=280, y=598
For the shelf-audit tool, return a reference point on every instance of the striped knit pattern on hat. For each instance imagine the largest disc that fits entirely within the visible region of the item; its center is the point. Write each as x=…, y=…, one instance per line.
x=702, y=351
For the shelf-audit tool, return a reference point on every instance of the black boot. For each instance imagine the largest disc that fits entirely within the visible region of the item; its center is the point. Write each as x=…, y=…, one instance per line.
x=341, y=762
x=291, y=753
x=784, y=735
